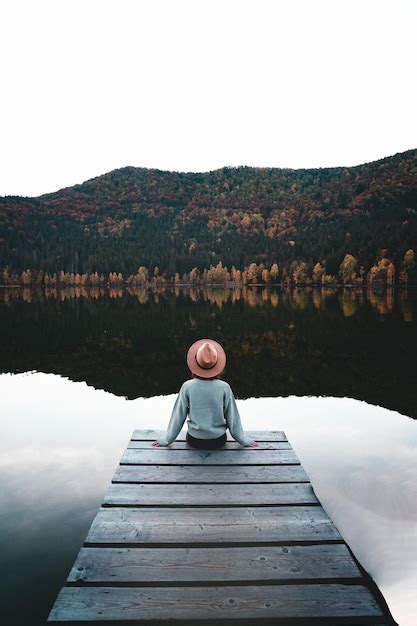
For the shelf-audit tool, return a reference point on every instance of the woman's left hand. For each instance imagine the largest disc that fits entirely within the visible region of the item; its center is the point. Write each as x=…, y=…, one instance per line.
x=254, y=444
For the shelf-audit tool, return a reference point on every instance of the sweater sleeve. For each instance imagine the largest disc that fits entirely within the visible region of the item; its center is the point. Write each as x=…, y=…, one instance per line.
x=232, y=417
x=178, y=416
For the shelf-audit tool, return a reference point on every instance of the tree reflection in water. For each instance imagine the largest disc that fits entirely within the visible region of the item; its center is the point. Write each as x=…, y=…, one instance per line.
x=338, y=342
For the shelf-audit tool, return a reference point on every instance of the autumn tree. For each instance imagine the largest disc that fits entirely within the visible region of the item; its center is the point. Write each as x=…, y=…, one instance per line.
x=299, y=273
x=194, y=275
x=381, y=274
x=390, y=274
x=266, y=275
x=142, y=274
x=318, y=271
x=274, y=272
x=25, y=278
x=218, y=274
x=252, y=273
x=408, y=265
x=347, y=269
x=235, y=275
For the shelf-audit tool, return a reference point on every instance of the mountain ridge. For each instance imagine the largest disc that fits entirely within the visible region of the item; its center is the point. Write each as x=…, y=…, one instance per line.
x=219, y=169
x=177, y=221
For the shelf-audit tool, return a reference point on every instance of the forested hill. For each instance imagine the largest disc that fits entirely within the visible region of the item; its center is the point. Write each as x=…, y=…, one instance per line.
x=176, y=221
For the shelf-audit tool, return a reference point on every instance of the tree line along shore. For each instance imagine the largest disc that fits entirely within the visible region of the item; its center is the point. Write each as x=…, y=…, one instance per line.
x=382, y=274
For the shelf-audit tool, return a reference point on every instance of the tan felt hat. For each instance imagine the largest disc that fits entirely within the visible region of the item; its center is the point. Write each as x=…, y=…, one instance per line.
x=206, y=358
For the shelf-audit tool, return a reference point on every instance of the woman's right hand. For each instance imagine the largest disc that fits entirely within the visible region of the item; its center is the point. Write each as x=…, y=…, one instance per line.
x=156, y=444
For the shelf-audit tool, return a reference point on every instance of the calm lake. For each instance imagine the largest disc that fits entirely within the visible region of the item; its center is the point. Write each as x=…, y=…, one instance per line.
x=335, y=369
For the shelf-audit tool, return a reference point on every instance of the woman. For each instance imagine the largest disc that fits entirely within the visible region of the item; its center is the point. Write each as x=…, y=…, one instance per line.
x=208, y=401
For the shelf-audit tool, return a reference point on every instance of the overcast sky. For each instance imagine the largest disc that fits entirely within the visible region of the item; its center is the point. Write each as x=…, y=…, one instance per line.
x=192, y=85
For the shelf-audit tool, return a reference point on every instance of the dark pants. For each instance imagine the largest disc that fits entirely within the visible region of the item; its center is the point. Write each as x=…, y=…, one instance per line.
x=206, y=444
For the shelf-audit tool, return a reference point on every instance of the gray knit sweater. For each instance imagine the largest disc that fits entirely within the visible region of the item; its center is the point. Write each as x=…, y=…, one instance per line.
x=211, y=409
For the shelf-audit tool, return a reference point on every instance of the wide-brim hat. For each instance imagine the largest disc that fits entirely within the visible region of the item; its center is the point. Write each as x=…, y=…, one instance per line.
x=204, y=360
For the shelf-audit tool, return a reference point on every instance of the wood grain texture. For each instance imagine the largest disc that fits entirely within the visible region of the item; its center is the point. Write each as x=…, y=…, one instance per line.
x=229, y=445
x=153, y=525
x=145, y=565
x=259, y=435
x=210, y=474
x=209, y=495
x=242, y=456
x=242, y=602
x=231, y=534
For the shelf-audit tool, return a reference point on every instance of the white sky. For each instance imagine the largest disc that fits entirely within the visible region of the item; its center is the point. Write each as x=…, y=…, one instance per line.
x=89, y=86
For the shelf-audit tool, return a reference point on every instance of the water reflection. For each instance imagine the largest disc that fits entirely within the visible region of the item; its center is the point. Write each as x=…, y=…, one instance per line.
x=299, y=298
x=60, y=442
x=346, y=342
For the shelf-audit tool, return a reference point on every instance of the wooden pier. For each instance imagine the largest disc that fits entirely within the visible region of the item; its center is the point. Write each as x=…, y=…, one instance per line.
x=232, y=536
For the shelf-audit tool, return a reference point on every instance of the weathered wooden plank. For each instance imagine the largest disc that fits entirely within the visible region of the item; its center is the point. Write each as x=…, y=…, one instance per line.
x=242, y=456
x=242, y=602
x=259, y=435
x=145, y=565
x=256, y=520
x=209, y=495
x=236, y=525
x=210, y=474
x=229, y=445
